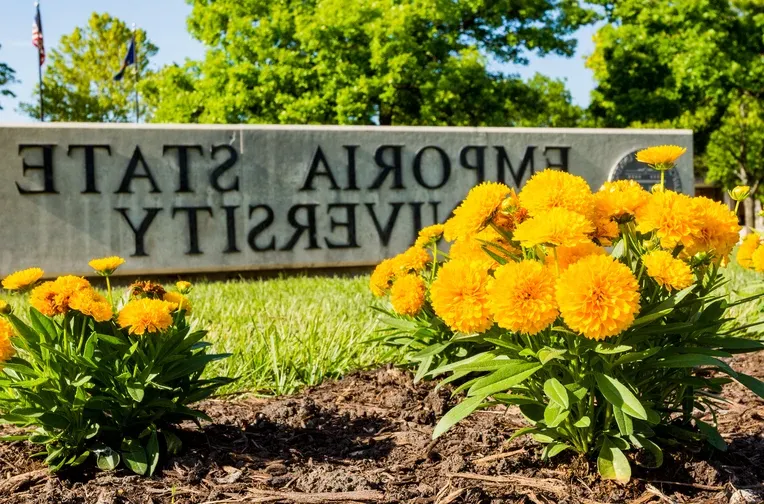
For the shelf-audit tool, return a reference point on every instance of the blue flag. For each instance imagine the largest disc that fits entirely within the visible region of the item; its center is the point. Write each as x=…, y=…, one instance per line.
x=129, y=60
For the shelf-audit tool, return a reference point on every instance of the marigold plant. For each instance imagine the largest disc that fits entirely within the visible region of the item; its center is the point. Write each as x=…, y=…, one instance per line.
x=598, y=314
x=91, y=379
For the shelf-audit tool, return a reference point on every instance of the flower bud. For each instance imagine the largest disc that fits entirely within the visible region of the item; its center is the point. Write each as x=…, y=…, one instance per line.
x=5, y=308
x=183, y=286
x=739, y=193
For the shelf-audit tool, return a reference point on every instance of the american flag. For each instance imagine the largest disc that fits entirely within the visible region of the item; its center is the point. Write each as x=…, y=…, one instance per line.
x=37, y=36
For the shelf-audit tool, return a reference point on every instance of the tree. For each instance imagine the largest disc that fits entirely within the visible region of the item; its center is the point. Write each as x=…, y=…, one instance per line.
x=79, y=80
x=686, y=64
x=413, y=62
x=7, y=77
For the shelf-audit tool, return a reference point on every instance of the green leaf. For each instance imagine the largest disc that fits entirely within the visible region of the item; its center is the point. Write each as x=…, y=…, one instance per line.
x=642, y=442
x=514, y=373
x=636, y=356
x=457, y=413
x=694, y=360
x=81, y=458
x=515, y=399
x=547, y=354
x=553, y=448
x=542, y=438
x=625, y=425
x=617, y=394
x=520, y=432
x=533, y=412
x=608, y=348
x=577, y=390
x=152, y=452
x=106, y=458
x=172, y=441
x=557, y=392
x=712, y=435
x=612, y=463
x=136, y=392
x=754, y=384
x=554, y=415
x=583, y=422
x=134, y=456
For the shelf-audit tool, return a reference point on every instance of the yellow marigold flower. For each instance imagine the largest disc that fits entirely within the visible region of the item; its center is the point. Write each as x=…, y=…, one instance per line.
x=717, y=229
x=661, y=157
x=183, y=286
x=407, y=294
x=605, y=228
x=382, y=277
x=621, y=199
x=747, y=248
x=53, y=298
x=477, y=209
x=739, y=193
x=672, y=216
x=5, y=308
x=550, y=189
x=180, y=301
x=667, y=271
x=91, y=303
x=460, y=298
x=571, y=255
x=557, y=227
x=598, y=296
x=412, y=259
x=471, y=249
x=141, y=316
x=6, y=348
x=521, y=298
x=429, y=235
x=22, y=279
x=757, y=260
x=106, y=265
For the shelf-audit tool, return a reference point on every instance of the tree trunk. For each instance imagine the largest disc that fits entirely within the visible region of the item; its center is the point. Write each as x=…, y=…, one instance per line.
x=749, y=213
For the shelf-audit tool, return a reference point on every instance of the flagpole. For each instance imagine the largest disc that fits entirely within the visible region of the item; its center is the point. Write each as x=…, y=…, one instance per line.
x=137, y=71
x=39, y=71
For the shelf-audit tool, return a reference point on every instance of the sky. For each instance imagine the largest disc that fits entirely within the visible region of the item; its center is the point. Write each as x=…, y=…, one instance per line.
x=165, y=23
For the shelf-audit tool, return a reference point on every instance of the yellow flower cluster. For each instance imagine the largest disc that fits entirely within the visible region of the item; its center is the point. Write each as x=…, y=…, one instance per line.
x=55, y=297
x=23, y=279
x=6, y=348
x=527, y=261
x=144, y=315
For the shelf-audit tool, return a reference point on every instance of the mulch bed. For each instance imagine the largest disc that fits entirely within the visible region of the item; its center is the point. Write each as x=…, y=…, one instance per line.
x=366, y=438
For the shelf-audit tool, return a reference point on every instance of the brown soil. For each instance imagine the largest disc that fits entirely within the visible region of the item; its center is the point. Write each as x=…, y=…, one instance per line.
x=366, y=438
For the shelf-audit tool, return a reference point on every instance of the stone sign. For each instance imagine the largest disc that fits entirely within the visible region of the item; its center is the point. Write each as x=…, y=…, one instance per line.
x=179, y=199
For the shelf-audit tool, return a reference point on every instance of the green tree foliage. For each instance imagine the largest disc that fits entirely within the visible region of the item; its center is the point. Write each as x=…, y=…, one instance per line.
x=414, y=62
x=688, y=64
x=7, y=77
x=79, y=81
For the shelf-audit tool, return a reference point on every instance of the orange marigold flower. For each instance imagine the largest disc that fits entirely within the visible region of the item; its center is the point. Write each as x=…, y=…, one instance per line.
x=571, y=255
x=550, y=189
x=558, y=227
x=412, y=259
x=460, y=298
x=669, y=272
x=6, y=348
x=605, y=228
x=661, y=157
x=20, y=280
x=672, y=216
x=429, y=235
x=477, y=209
x=757, y=260
x=53, y=298
x=521, y=298
x=106, y=265
x=91, y=303
x=621, y=199
x=472, y=249
x=180, y=301
x=718, y=229
x=141, y=316
x=598, y=296
x=747, y=248
x=382, y=277
x=407, y=294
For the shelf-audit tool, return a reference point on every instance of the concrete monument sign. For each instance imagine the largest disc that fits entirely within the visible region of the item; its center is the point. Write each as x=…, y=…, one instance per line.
x=180, y=199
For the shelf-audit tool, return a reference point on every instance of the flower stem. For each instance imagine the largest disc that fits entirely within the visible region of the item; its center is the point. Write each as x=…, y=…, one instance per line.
x=663, y=180
x=108, y=290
